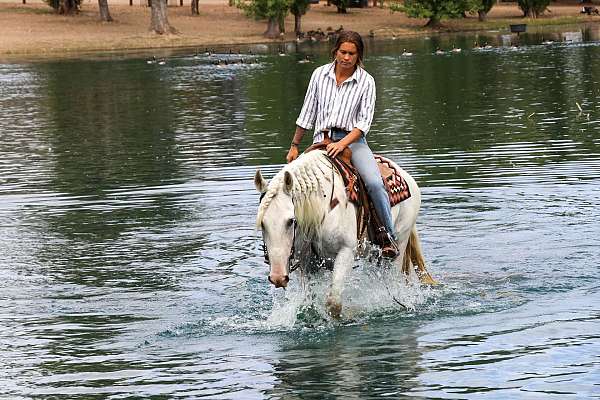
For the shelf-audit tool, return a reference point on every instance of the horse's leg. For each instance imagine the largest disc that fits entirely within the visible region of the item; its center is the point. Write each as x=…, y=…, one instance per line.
x=413, y=257
x=341, y=267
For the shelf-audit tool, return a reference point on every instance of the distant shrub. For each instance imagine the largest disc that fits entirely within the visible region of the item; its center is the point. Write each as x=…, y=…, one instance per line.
x=64, y=6
x=533, y=8
x=436, y=10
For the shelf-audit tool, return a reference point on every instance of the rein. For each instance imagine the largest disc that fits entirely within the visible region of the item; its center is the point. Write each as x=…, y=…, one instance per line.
x=292, y=266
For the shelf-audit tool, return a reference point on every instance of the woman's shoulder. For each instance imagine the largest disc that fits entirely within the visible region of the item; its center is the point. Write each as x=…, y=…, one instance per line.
x=365, y=75
x=323, y=69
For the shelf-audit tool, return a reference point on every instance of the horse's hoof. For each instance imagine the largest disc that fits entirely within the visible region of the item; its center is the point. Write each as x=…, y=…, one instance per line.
x=426, y=279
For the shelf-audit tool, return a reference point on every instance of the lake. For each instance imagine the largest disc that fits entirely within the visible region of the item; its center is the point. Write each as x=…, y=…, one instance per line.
x=130, y=266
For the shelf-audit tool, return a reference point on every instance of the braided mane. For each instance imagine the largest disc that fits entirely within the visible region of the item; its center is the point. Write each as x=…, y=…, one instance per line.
x=311, y=174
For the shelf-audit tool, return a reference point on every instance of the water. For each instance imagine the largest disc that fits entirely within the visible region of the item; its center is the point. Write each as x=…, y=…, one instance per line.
x=131, y=268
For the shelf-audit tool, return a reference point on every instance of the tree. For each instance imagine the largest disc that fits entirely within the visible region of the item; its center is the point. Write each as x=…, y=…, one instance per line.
x=64, y=6
x=341, y=5
x=435, y=10
x=273, y=10
x=196, y=8
x=533, y=8
x=159, y=23
x=68, y=6
x=485, y=7
x=104, y=13
x=299, y=8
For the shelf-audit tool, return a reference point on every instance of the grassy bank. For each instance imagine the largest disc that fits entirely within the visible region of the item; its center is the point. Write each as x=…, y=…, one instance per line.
x=33, y=30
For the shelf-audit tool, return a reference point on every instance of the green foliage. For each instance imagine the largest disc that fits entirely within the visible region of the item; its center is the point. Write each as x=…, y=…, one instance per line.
x=341, y=4
x=436, y=10
x=486, y=5
x=299, y=7
x=260, y=9
x=52, y=3
x=533, y=8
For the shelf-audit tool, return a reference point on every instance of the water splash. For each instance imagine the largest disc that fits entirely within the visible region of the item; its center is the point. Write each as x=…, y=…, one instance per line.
x=370, y=291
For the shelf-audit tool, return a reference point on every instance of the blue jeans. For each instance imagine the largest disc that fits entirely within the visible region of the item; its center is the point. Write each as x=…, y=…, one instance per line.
x=364, y=162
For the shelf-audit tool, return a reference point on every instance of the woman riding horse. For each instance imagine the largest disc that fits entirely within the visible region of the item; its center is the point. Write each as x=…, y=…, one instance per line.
x=340, y=103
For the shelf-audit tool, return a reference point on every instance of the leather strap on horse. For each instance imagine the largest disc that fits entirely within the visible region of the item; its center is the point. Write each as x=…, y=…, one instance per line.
x=356, y=195
x=367, y=220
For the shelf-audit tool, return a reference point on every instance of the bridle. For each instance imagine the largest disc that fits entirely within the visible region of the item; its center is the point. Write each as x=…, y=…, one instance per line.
x=292, y=264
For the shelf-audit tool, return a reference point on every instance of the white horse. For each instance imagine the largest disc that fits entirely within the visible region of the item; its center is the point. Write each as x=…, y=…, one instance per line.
x=295, y=211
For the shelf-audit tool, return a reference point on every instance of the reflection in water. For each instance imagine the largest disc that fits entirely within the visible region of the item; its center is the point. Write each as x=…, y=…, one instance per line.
x=356, y=362
x=130, y=262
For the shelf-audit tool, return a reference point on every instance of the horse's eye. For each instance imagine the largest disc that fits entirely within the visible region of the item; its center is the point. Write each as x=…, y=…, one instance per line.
x=290, y=222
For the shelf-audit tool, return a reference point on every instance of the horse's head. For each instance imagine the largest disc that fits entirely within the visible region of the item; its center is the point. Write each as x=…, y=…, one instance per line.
x=277, y=222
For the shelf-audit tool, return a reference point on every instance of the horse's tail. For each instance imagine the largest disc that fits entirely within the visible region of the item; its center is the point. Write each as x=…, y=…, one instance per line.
x=414, y=257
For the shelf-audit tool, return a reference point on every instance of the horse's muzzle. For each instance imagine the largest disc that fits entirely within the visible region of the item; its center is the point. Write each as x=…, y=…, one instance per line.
x=279, y=280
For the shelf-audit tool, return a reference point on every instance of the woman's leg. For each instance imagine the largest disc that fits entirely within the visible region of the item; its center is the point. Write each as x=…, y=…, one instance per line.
x=363, y=160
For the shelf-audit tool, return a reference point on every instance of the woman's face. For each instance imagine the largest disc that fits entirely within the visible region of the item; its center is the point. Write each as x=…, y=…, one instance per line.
x=347, y=56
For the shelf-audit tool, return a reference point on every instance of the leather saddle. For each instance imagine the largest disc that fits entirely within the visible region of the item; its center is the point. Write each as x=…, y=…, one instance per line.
x=367, y=219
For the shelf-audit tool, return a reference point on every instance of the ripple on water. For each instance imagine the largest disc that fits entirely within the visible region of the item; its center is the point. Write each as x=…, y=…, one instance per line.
x=130, y=262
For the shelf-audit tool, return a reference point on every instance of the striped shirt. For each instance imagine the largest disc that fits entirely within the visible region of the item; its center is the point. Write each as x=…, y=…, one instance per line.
x=347, y=106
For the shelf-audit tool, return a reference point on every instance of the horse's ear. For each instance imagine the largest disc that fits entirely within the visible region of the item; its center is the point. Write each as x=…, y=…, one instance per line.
x=288, y=181
x=259, y=182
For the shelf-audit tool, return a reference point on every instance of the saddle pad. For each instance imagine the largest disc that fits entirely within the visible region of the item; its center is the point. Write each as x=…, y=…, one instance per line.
x=395, y=184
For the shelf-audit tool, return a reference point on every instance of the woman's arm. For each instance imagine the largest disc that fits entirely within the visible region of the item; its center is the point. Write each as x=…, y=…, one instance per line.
x=335, y=148
x=293, y=151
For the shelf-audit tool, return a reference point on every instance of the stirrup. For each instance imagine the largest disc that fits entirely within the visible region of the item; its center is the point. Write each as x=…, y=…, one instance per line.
x=389, y=250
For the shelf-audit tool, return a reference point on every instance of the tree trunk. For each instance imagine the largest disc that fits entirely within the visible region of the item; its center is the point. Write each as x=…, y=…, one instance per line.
x=482, y=15
x=433, y=22
x=195, y=8
x=298, y=24
x=342, y=10
x=66, y=7
x=281, y=22
x=374, y=3
x=272, y=31
x=159, y=23
x=104, y=13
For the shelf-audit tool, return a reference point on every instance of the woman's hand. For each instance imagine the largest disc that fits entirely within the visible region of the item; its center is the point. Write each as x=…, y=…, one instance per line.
x=292, y=154
x=335, y=148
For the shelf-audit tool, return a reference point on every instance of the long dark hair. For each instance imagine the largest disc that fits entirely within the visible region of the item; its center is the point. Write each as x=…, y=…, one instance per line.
x=350, y=37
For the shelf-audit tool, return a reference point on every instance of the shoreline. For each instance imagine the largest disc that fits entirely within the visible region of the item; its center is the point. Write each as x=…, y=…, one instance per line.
x=33, y=31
